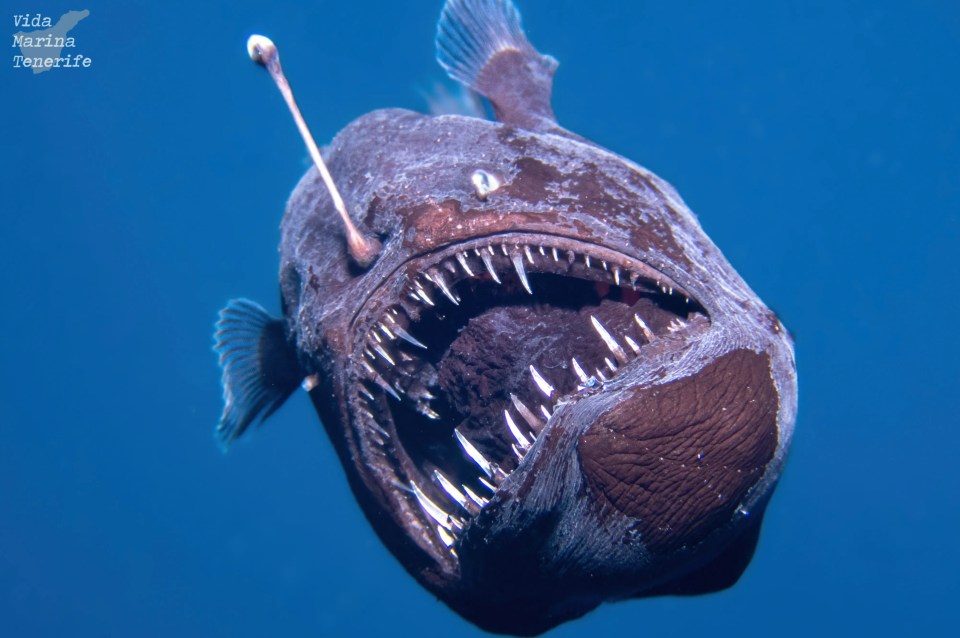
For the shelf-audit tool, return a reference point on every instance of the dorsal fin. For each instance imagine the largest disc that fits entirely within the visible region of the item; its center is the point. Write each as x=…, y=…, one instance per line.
x=260, y=368
x=480, y=43
x=460, y=101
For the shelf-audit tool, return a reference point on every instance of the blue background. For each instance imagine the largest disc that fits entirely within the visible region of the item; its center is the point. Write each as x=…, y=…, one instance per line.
x=819, y=142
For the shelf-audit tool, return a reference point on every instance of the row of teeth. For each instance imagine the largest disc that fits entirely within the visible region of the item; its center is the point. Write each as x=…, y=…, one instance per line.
x=518, y=253
x=522, y=428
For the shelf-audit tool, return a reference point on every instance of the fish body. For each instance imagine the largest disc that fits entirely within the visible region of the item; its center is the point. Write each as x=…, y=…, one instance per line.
x=549, y=389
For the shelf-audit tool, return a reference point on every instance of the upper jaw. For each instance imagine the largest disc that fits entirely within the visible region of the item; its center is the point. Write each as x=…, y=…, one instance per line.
x=436, y=506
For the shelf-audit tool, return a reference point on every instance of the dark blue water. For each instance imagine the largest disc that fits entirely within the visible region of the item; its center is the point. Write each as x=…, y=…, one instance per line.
x=819, y=142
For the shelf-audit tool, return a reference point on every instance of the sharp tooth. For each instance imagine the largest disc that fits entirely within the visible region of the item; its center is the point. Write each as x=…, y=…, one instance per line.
x=429, y=412
x=487, y=484
x=586, y=260
x=406, y=336
x=503, y=249
x=518, y=264
x=610, y=364
x=556, y=257
x=462, y=258
x=475, y=454
x=616, y=275
x=542, y=251
x=488, y=262
x=423, y=295
x=383, y=353
x=380, y=381
x=604, y=264
x=601, y=375
x=676, y=325
x=452, y=267
x=515, y=431
x=476, y=498
x=431, y=508
x=545, y=387
x=644, y=328
x=403, y=334
x=385, y=330
x=580, y=373
x=528, y=253
x=528, y=416
x=451, y=489
x=377, y=427
x=633, y=344
x=445, y=537
x=490, y=250
x=442, y=284
x=545, y=411
x=517, y=451
x=376, y=337
x=366, y=393
x=633, y=280
x=608, y=339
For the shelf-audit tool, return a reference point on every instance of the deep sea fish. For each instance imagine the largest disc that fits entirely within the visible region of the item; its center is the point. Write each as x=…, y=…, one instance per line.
x=546, y=385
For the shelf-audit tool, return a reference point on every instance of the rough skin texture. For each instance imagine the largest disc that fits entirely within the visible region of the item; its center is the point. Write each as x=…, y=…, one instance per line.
x=682, y=456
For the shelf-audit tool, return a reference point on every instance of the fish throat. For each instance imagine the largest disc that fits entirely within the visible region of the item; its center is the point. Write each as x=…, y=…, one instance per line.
x=462, y=372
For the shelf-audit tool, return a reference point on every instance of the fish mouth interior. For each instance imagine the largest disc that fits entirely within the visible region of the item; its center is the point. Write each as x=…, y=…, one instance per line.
x=462, y=372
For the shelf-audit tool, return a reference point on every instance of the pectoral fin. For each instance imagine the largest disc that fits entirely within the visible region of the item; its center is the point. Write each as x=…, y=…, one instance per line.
x=259, y=364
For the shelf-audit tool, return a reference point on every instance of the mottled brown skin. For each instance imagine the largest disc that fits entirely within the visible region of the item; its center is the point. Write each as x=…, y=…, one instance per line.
x=592, y=514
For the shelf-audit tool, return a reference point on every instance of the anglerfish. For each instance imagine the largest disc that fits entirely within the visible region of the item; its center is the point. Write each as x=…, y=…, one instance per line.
x=546, y=385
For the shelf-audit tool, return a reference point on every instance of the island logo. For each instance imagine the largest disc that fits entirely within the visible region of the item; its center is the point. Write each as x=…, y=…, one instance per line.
x=49, y=44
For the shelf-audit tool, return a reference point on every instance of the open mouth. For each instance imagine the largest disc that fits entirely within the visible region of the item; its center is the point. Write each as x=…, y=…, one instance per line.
x=461, y=374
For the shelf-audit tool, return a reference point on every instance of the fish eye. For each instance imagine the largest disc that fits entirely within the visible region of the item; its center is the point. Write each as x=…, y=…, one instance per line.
x=485, y=183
